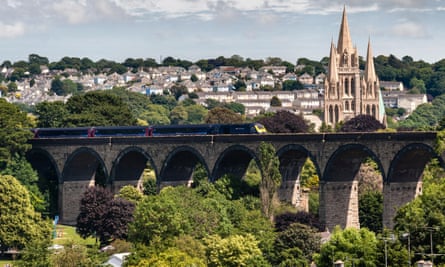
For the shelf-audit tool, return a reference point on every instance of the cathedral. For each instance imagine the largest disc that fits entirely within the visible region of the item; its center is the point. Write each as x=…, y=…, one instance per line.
x=350, y=92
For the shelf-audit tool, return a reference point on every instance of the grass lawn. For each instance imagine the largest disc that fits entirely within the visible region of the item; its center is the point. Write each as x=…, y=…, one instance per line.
x=65, y=235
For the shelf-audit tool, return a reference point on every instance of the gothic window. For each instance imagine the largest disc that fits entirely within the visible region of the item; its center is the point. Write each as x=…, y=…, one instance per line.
x=353, y=106
x=337, y=114
x=331, y=115
x=374, y=112
x=353, y=87
x=368, y=110
x=346, y=86
x=346, y=105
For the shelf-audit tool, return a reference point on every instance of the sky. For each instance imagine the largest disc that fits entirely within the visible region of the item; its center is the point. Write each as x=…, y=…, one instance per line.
x=203, y=29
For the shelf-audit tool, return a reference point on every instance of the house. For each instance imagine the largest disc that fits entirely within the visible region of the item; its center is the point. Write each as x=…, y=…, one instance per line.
x=276, y=70
x=391, y=86
x=306, y=79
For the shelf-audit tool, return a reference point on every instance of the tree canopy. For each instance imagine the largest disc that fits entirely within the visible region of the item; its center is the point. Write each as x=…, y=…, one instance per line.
x=362, y=123
x=284, y=122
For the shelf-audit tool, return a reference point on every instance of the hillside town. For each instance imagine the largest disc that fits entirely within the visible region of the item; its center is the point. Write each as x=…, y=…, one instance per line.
x=261, y=86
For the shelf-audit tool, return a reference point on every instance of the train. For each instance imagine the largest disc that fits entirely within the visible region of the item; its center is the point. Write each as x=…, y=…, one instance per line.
x=149, y=131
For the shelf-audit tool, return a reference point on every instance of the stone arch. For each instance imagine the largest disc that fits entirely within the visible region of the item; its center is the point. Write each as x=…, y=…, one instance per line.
x=404, y=183
x=42, y=161
x=339, y=188
x=179, y=165
x=82, y=165
x=292, y=159
x=233, y=160
x=79, y=173
x=345, y=162
x=49, y=175
x=129, y=166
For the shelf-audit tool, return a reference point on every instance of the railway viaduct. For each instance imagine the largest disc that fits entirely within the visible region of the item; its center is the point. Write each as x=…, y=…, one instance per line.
x=401, y=158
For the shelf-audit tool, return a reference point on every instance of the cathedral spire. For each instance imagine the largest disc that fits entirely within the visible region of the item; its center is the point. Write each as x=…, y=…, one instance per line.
x=333, y=75
x=370, y=75
x=344, y=37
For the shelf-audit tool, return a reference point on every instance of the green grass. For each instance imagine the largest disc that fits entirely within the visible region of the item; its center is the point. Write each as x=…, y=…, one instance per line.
x=67, y=234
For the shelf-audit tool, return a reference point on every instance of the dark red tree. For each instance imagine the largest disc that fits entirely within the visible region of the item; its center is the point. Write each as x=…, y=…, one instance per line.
x=103, y=216
x=362, y=123
x=285, y=122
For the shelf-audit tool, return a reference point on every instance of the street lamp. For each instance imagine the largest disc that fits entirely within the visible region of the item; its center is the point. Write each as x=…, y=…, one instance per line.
x=408, y=235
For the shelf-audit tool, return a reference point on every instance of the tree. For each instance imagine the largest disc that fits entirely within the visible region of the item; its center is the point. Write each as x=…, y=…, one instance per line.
x=271, y=178
x=300, y=236
x=351, y=244
x=103, y=216
x=19, y=223
x=51, y=114
x=236, y=250
x=178, y=115
x=275, y=102
x=362, y=123
x=14, y=132
x=196, y=114
x=236, y=107
x=290, y=85
x=222, y=115
x=98, y=108
x=285, y=122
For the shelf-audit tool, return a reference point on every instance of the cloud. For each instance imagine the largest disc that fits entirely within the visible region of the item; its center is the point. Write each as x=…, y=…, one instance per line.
x=11, y=30
x=409, y=29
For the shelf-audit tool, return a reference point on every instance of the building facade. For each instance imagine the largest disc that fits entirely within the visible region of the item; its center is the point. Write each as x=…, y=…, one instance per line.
x=348, y=91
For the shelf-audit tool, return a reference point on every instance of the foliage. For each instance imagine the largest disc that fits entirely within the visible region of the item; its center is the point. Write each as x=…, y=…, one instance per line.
x=271, y=178
x=236, y=250
x=19, y=223
x=285, y=122
x=275, y=102
x=98, y=108
x=22, y=170
x=130, y=193
x=284, y=220
x=426, y=116
x=75, y=255
x=103, y=216
x=359, y=246
x=371, y=210
x=291, y=85
x=51, y=114
x=222, y=115
x=36, y=254
x=300, y=236
x=426, y=213
x=309, y=175
x=14, y=132
x=362, y=123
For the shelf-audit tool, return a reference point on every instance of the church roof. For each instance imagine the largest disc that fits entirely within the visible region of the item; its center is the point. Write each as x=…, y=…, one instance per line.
x=370, y=75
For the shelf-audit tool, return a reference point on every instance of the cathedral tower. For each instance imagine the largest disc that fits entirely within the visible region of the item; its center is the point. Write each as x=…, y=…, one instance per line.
x=348, y=92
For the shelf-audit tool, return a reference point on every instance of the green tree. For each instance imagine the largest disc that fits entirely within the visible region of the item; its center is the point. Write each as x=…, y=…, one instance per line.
x=271, y=178
x=178, y=115
x=275, y=102
x=222, y=115
x=350, y=244
x=196, y=114
x=291, y=85
x=297, y=236
x=236, y=250
x=14, y=132
x=98, y=108
x=19, y=223
x=130, y=193
x=51, y=114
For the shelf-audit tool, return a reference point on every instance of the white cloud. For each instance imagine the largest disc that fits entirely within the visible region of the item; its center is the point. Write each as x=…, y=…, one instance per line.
x=11, y=30
x=409, y=29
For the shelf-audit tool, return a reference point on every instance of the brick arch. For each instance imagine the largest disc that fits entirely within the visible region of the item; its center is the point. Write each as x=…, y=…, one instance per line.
x=82, y=164
x=129, y=166
x=233, y=160
x=179, y=165
x=345, y=162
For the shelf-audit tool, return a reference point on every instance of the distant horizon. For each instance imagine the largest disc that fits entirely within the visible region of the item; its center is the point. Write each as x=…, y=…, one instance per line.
x=206, y=29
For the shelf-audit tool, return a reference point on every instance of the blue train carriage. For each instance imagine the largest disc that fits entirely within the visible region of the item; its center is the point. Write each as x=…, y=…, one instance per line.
x=104, y=131
x=242, y=128
x=73, y=132
x=183, y=129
